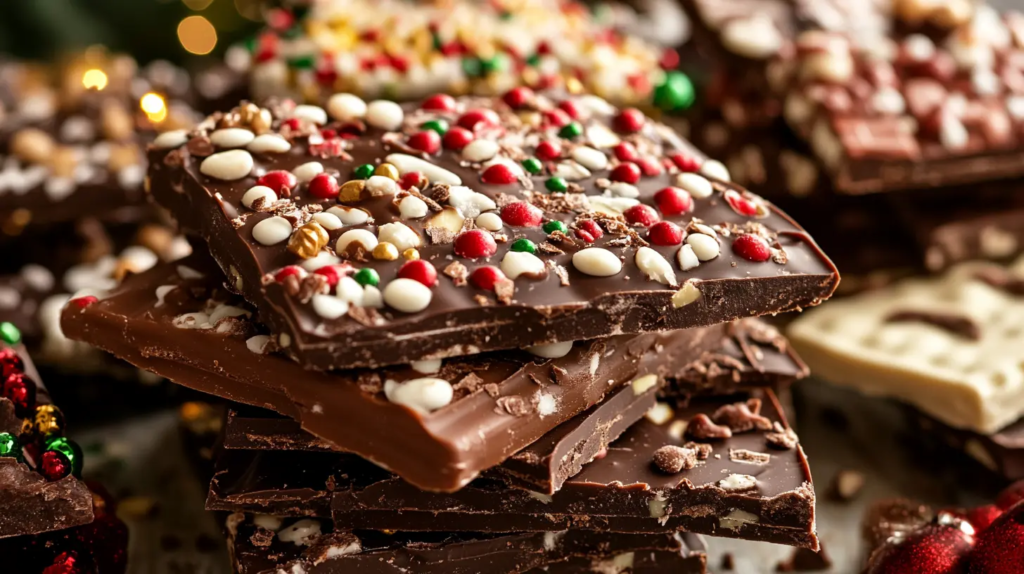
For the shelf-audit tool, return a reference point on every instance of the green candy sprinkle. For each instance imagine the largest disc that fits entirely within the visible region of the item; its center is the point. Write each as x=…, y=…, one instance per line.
x=555, y=225
x=676, y=93
x=533, y=165
x=302, y=62
x=556, y=184
x=69, y=449
x=524, y=246
x=571, y=130
x=9, y=333
x=366, y=277
x=9, y=446
x=364, y=171
x=439, y=126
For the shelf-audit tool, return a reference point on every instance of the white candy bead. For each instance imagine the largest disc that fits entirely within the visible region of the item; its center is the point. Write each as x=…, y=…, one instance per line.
x=754, y=36
x=406, y=163
x=346, y=107
x=427, y=367
x=227, y=165
x=350, y=291
x=328, y=221
x=601, y=137
x=257, y=192
x=171, y=139
x=302, y=533
x=597, y=262
x=656, y=267
x=422, y=395
x=468, y=202
x=686, y=258
x=407, y=295
x=623, y=189
x=715, y=169
x=698, y=186
x=480, y=150
x=269, y=143
x=571, y=171
x=551, y=350
x=372, y=297
x=307, y=171
x=321, y=259
x=385, y=115
x=232, y=137
x=257, y=344
x=516, y=263
x=590, y=158
x=704, y=247
x=412, y=207
x=272, y=230
x=489, y=221
x=329, y=306
x=363, y=236
x=379, y=185
x=611, y=206
x=314, y=114
x=349, y=215
x=398, y=234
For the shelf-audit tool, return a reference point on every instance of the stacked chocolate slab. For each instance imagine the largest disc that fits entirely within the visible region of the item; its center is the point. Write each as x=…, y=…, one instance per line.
x=479, y=326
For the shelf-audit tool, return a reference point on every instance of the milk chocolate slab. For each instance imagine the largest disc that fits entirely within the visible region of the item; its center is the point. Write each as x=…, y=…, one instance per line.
x=178, y=321
x=591, y=280
x=265, y=545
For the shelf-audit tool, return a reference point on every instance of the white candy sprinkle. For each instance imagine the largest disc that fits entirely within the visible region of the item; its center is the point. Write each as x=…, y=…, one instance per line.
x=39, y=278
x=321, y=259
x=611, y=206
x=571, y=171
x=328, y=220
x=590, y=158
x=698, y=186
x=372, y=298
x=888, y=100
x=171, y=139
x=379, y=185
x=407, y=295
x=656, y=267
x=754, y=37
x=385, y=115
x=516, y=263
x=601, y=137
x=314, y=114
x=329, y=307
x=269, y=143
x=232, y=137
x=257, y=344
x=704, y=247
x=192, y=321
x=421, y=395
x=427, y=367
x=362, y=236
x=489, y=221
x=735, y=482
x=551, y=350
x=346, y=107
x=227, y=165
x=349, y=215
x=407, y=163
x=161, y=293
x=257, y=192
x=597, y=262
x=307, y=171
x=623, y=189
x=687, y=258
x=272, y=230
x=715, y=169
x=225, y=311
x=58, y=188
x=412, y=207
x=546, y=404
x=350, y=291
x=468, y=202
x=138, y=258
x=302, y=533
x=480, y=150
x=952, y=132
x=919, y=47
x=398, y=234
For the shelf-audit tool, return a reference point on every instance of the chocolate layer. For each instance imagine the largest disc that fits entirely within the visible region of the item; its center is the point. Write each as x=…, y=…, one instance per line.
x=555, y=301
x=1001, y=452
x=178, y=321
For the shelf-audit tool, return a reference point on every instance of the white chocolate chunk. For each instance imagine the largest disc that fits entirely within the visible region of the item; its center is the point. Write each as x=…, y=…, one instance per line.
x=435, y=173
x=307, y=171
x=361, y=236
x=412, y=207
x=269, y=143
x=171, y=139
x=232, y=137
x=314, y=114
x=328, y=221
x=480, y=150
x=256, y=192
x=643, y=384
x=716, y=170
x=349, y=215
x=489, y=221
x=468, y=202
x=272, y=230
x=400, y=235
x=423, y=395
x=516, y=263
x=385, y=115
x=590, y=158
x=551, y=350
x=301, y=533
x=596, y=262
x=686, y=258
x=687, y=294
x=737, y=482
x=228, y=165
x=329, y=306
x=346, y=107
x=407, y=295
x=427, y=367
x=698, y=186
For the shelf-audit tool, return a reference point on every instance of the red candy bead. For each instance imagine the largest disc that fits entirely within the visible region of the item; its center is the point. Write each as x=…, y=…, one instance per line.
x=641, y=215
x=20, y=390
x=556, y=118
x=521, y=214
x=64, y=563
x=10, y=363
x=84, y=301
x=279, y=181
x=629, y=120
x=499, y=174
x=625, y=172
x=473, y=119
x=457, y=138
x=426, y=141
x=983, y=516
x=752, y=248
x=413, y=179
x=548, y=151
x=570, y=108
x=650, y=166
x=517, y=98
x=742, y=205
x=626, y=151
x=324, y=186
x=686, y=162
x=439, y=103
x=333, y=274
x=672, y=201
x=54, y=465
x=1000, y=548
x=665, y=233
x=289, y=271
x=486, y=277
x=931, y=549
x=1011, y=495
x=474, y=244
x=419, y=270
x=588, y=230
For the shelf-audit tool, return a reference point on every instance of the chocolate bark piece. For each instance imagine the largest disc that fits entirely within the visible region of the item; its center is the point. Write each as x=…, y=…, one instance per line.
x=934, y=362
x=178, y=321
x=1002, y=452
x=572, y=289
x=265, y=545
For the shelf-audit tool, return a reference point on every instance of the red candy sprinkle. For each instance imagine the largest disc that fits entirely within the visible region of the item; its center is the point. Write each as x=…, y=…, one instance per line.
x=21, y=390
x=289, y=271
x=521, y=214
x=457, y=138
x=1000, y=548
x=548, y=151
x=665, y=233
x=626, y=151
x=752, y=248
x=686, y=162
x=473, y=119
x=486, y=277
x=517, y=98
x=10, y=363
x=556, y=118
x=324, y=186
x=742, y=205
x=499, y=174
x=84, y=301
x=570, y=108
x=931, y=549
x=588, y=230
x=333, y=273
x=641, y=215
x=279, y=181
x=64, y=563
x=55, y=465
x=419, y=270
x=650, y=166
x=1011, y=495
x=439, y=103
x=474, y=244
x=673, y=201
x=983, y=516
x=625, y=172
x=629, y=120
x=426, y=141
x=413, y=179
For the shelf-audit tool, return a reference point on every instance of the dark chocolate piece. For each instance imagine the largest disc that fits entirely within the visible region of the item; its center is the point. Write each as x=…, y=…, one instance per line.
x=591, y=277
x=1001, y=452
x=805, y=560
x=267, y=545
x=178, y=321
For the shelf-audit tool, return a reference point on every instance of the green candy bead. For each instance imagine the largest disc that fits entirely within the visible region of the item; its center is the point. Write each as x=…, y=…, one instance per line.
x=9, y=333
x=69, y=449
x=493, y=64
x=533, y=61
x=472, y=67
x=439, y=126
x=524, y=246
x=302, y=62
x=555, y=225
x=364, y=171
x=676, y=93
x=533, y=165
x=571, y=130
x=366, y=277
x=9, y=446
x=556, y=184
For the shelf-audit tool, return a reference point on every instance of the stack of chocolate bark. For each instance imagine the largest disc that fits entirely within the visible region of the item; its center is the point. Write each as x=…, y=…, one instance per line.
x=474, y=335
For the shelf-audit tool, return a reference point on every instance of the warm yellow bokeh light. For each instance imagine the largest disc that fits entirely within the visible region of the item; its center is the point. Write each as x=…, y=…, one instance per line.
x=197, y=5
x=197, y=35
x=94, y=79
x=154, y=106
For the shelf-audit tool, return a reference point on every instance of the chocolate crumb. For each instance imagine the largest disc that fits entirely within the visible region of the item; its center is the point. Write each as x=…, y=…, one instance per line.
x=470, y=383
x=672, y=459
x=440, y=235
x=846, y=485
x=782, y=438
x=492, y=390
x=262, y=538
x=805, y=560
x=513, y=405
x=505, y=289
x=702, y=449
x=701, y=427
x=458, y=273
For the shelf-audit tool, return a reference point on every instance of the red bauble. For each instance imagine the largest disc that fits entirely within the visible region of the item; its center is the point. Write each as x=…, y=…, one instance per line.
x=419, y=270
x=457, y=138
x=474, y=244
x=1000, y=548
x=439, y=103
x=1011, y=495
x=629, y=120
x=333, y=274
x=686, y=162
x=752, y=248
x=672, y=201
x=426, y=141
x=588, y=230
x=641, y=214
x=570, y=108
x=517, y=98
x=486, y=277
x=479, y=118
x=625, y=172
x=983, y=516
x=289, y=271
x=324, y=186
x=548, y=151
x=54, y=465
x=21, y=390
x=83, y=301
x=665, y=233
x=282, y=182
x=499, y=174
x=521, y=214
x=626, y=151
x=10, y=363
x=931, y=549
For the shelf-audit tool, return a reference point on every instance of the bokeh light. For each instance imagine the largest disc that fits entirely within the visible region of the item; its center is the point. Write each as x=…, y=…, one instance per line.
x=197, y=5
x=197, y=35
x=94, y=79
x=154, y=107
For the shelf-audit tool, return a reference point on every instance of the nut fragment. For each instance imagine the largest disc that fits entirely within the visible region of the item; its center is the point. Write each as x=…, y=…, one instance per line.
x=308, y=240
x=449, y=218
x=701, y=428
x=351, y=191
x=672, y=459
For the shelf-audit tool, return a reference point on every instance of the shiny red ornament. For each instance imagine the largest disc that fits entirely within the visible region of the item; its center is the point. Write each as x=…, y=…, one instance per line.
x=324, y=186
x=625, y=172
x=626, y=151
x=548, y=151
x=518, y=98
x=20, y=389
x=10, y=363
x=457, y=138
x=556, y=118
x=413, y=179
x=499, y=174
x=629, y=121
x=570, y=108
x=419, y=270
x=685, y=162
x=426, y=141
x=588, y=230
x=521, y=214
x=982, y=517
x=439, y=103
x=665, y=233
x=282, y=182
x=289, y=271
x=1000, y=548
x=54, y=465
x=486, y=277
x=474, y=244
x=83, y=301
x=931, y=549
x=752, y=248
x=672, y=201
x=641, y=215
x=1011, y=495
x=479, y=118
x=333, y=274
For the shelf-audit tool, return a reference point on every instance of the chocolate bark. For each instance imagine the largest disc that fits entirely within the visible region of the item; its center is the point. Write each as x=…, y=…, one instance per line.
x=255, y=549
x=179, y=322
x=1002, y=452
x=577, y=288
